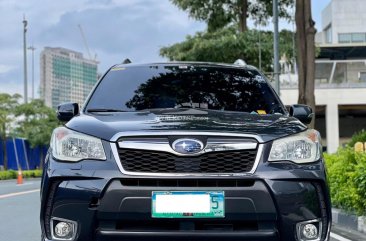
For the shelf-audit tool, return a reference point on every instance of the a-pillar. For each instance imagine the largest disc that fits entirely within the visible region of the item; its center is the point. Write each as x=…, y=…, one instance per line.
x=332, y=127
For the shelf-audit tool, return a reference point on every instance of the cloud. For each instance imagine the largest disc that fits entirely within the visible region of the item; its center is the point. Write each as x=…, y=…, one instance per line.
x=6, y=68
x=124, y=30
x=114, y=29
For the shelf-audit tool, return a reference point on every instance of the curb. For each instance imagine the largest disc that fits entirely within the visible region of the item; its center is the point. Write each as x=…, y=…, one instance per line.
x=348, y=220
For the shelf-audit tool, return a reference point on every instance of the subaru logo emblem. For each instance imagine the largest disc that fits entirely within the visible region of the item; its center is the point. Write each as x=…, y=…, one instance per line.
x=187, y=146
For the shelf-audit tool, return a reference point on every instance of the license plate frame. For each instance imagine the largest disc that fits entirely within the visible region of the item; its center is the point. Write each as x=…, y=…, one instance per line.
x=178, y=204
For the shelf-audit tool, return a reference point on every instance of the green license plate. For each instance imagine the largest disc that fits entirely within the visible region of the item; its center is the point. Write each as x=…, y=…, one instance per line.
x=188, y=204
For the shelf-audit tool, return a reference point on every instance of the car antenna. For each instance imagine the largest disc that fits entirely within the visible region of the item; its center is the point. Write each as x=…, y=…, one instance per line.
x=127, y=61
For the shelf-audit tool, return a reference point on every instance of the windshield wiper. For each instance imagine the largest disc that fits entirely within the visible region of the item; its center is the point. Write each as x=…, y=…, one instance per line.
x=104, y=110
x=184, y=105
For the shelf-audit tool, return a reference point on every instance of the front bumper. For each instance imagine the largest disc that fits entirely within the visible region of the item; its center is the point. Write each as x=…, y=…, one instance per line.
x=108, y=205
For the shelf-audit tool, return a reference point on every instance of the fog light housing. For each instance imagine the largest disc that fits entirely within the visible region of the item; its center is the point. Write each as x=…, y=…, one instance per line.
x=309, y=230
x=63, y=229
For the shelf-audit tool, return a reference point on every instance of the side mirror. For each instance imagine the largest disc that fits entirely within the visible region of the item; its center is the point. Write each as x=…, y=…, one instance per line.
x=66, y=111
x=302, y=112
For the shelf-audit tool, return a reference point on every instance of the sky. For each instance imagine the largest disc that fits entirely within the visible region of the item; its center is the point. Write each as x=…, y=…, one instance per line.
x=114, y=30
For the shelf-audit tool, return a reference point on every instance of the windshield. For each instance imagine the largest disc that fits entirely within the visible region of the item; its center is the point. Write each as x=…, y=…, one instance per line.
x=137, y=88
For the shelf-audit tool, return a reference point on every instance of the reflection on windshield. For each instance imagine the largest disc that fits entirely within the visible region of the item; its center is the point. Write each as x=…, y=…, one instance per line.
x=222, y=88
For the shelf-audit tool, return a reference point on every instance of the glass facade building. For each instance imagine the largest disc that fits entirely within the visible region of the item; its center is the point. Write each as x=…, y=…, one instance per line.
x=66, y=76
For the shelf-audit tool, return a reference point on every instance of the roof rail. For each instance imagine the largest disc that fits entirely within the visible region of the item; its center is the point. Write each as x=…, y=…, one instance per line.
x=240, y=62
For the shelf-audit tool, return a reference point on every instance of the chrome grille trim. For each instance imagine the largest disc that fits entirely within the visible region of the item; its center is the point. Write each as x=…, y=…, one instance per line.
x=181, y=133
x=164, y=146
x=252, y=171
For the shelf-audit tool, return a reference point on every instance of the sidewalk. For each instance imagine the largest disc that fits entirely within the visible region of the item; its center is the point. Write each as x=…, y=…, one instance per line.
x=348, y=233
x=349, y=222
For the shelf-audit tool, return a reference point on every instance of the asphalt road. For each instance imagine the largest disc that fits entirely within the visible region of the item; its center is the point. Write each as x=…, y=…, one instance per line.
x=19, y=211
x=19, y=214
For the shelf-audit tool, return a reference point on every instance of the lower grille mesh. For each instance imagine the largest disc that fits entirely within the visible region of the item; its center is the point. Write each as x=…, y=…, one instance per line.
x=162, y=162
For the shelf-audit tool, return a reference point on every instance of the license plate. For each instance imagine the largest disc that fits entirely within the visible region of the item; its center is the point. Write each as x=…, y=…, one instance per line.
x=188, y=204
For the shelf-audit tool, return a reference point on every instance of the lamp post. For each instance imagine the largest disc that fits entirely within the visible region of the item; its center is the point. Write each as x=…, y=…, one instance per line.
x=276, y=58
x=32, y=48
x=25, y=22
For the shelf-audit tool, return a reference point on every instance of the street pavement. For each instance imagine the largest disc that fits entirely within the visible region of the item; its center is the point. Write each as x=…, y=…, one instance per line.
x=19, y=214
x=19, y=211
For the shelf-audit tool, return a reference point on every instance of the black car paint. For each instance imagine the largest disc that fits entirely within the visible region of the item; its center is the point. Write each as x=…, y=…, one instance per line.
x=89, y=189
x=82, y=185
x=106, y=125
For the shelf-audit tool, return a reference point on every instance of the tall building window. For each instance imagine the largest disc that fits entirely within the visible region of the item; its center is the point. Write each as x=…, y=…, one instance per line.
x=358, y=37
x=352, y=37
x=344, y=37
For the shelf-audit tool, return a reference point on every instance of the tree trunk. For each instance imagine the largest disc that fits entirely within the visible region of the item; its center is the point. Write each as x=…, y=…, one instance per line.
x=243, y=13
x=310, y=60
x=301, y=46
x=305, y=35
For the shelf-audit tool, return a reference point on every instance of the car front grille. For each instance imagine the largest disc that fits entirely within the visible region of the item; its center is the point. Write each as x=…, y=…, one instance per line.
x=146, y=161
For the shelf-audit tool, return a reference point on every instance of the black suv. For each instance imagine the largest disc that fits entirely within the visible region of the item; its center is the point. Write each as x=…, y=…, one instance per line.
x=184, y=151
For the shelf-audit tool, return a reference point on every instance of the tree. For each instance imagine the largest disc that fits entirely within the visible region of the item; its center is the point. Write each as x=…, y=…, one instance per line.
x=227, y=37
x=7, y=106
x=220, y=13
x=36, y=122
x=226, y=45
x=306, y=53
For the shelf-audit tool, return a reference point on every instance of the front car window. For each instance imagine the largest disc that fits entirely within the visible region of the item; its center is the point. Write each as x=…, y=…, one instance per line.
x=134, y=88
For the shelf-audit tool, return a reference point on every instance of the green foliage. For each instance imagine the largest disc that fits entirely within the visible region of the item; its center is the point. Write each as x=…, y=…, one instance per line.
x=224, y=41
x=262, y=10
x=213, y=12
x=7, y=105
x=347, y=179
x=33, y=121
x=11, y=174
x=227, y=45
x=358, y=137
x=32, y=173
x=220, y=13
x=36, y=123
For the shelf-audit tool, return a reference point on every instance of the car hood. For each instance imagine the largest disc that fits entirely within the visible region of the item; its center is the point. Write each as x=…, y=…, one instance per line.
x=107, y=125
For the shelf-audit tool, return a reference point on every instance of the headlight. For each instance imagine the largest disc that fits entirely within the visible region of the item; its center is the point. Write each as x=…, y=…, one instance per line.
x=301, y=148
x=68, y=145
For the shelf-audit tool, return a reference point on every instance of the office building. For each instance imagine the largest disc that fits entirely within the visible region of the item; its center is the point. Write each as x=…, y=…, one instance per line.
x=340, y=73
x=66, y=76
x=343, y=22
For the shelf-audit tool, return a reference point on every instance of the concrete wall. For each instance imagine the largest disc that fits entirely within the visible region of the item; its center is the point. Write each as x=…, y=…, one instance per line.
x=331, y=99
x=327, y=16
x=345, y=16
